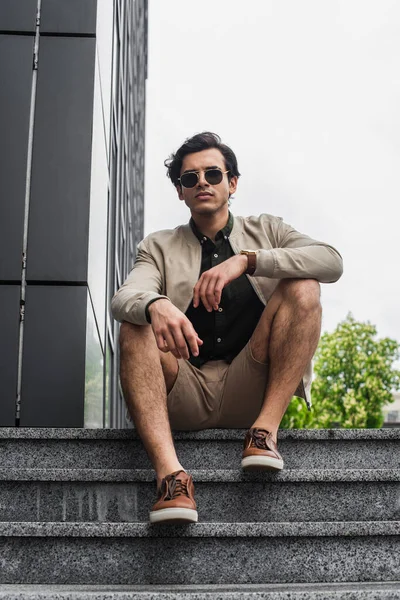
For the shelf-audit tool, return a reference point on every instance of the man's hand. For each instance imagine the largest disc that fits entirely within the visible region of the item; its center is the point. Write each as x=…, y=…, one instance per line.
x=173, y=330
x=209, y=287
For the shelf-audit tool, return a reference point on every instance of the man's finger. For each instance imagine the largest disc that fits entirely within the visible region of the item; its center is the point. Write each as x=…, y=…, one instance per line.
x=192, y=339
x=197, y=291
x=196, y=294
x=210, y=293
x=161, y=342
x=206, y=294
x=171, y=344
x=218, y=290
x=202, y=290
x=181, y=344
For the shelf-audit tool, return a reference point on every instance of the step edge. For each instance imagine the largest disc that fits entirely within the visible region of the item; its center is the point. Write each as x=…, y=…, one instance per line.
x=57, y=474
x=67, y=433
x=272, y=588
x=206, y=530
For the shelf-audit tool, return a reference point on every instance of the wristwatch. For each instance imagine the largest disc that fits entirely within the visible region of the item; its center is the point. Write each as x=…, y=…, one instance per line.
x=251, y=261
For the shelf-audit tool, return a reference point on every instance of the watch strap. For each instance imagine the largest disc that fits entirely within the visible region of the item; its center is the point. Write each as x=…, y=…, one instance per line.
x=251, y=261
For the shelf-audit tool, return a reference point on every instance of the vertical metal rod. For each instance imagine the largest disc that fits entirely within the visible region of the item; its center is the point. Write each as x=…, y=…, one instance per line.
x=26, y=215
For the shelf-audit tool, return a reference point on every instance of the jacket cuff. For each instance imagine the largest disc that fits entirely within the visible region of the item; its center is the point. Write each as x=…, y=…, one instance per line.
x=265, y=264
x=132, y=310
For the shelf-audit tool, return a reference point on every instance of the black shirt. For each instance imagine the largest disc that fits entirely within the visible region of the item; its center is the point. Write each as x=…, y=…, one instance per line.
x=226, y=331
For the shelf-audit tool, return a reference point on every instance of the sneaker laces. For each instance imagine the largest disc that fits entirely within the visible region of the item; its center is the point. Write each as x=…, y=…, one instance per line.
x=175, y=487
x=259, y=438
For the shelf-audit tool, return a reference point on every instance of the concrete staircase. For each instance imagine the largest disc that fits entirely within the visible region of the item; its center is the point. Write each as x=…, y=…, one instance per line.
x=74, y=518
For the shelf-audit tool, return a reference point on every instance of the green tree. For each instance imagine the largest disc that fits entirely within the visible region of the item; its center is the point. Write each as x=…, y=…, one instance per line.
x=355, y=378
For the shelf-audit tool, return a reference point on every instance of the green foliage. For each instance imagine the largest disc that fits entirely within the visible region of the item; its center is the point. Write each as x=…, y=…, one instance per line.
x=297, y=415
x=93, y=382
x=355, y=378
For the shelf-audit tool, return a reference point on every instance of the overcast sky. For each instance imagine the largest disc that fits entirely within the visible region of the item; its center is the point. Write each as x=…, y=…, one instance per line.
x=307, y=94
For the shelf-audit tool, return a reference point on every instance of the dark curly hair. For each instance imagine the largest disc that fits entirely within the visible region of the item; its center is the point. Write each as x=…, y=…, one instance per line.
x=198, y=142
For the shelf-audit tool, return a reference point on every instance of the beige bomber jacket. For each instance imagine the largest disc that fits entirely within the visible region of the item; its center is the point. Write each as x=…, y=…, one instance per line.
x=168, y=266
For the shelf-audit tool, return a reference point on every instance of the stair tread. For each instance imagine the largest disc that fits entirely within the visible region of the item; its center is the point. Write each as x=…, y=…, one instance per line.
x=63, y=433
x=199, y=475
x=273, y=590
x=216, y=529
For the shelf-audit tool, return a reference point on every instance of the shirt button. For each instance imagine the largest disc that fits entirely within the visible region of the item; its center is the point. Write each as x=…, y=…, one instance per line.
x=215, y=255
x=219, y=340
x=204, y=239
x=220, y=309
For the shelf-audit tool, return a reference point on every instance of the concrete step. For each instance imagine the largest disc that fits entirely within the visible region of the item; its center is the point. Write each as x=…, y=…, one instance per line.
x=296, y=591
x=201, y=553
x=211, y=448
x=123, y=495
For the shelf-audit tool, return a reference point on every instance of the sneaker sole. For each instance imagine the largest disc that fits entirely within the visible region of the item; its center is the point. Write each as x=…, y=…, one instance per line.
x=174, y=515
x=252, y=463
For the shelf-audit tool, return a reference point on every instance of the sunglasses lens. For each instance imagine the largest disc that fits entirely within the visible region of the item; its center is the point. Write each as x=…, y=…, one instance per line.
x=189, y=180
x=213, y=176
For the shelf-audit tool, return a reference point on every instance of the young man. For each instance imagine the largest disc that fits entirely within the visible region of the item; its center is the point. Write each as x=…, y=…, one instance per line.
x=220, y=320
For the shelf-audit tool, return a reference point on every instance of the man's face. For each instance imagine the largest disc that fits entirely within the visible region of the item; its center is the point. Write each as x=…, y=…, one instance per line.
x=205, y=198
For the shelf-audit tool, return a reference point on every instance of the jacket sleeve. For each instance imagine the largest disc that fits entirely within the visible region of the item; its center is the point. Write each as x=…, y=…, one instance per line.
x=296, y=255
x=143, y=284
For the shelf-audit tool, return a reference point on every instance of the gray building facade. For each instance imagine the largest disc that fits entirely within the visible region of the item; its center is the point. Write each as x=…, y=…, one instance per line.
x=72, y=120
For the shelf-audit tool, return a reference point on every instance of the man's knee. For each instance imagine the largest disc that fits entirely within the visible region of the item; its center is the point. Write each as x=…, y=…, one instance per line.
x=305, y=293
x=130, y=333
x=142, y=338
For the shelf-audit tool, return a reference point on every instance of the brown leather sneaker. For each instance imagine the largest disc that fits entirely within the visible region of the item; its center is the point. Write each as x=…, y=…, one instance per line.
x=175, y=500
x=260, y=451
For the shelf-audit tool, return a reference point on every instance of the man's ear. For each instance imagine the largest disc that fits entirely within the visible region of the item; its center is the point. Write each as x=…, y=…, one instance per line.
x=233, y=184
x=179, y=190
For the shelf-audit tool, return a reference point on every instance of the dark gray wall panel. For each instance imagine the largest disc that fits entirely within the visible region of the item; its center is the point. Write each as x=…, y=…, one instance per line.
x=9, y=332
x=60, y=191
x=71, y=16
x=15, y=96
x=18, y=15
x=53, y=366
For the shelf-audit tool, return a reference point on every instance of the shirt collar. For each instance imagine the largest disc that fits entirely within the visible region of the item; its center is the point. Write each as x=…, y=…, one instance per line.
x=225, y=232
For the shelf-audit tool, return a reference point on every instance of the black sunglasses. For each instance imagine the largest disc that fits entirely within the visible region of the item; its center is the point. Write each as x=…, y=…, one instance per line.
x=212, y=176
